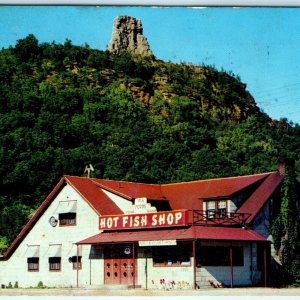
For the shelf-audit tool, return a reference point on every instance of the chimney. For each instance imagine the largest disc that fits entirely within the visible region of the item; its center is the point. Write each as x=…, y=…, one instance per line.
x=283, y=163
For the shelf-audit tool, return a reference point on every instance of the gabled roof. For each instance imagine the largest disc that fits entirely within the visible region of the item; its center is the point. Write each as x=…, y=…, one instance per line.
x=93, y=195
x=261, y=195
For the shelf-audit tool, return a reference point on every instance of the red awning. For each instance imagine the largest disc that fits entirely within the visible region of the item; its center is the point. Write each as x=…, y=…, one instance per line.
x=194, y=232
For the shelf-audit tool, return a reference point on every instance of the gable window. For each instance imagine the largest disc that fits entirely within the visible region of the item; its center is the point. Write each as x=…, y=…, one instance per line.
x=67, y=219
x=170, y=256
x=67, y=213
x=33, y=253
x=220, y=256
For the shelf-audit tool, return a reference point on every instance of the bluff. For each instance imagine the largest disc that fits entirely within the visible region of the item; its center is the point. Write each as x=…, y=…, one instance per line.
x=127, y=36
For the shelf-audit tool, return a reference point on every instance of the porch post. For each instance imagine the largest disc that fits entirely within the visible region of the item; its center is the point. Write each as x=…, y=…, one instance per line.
x=194, y=255
x=77, y=269
x=231, y=267
x=133, y=254
x=265, y=265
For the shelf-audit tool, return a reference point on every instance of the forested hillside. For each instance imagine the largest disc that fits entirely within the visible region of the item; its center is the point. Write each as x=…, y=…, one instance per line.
x=133, y=118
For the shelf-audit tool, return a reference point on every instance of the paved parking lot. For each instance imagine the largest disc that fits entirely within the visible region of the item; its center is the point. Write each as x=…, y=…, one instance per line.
x=226, y=292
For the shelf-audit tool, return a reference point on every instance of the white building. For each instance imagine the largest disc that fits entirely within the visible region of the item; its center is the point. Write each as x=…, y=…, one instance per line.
x=92, y=232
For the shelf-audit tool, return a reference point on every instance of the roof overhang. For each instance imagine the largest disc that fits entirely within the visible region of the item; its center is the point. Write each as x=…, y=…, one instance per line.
x=179, y=234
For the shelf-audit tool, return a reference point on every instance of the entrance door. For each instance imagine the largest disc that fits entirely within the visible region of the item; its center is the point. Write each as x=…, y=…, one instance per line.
x=119, y=265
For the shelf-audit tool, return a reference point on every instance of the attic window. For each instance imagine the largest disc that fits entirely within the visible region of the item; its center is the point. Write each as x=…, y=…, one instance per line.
x=67, y=213
x=67, y=219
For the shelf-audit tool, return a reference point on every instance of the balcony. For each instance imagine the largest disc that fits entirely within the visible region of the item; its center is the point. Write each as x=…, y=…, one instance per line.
x=213, y=218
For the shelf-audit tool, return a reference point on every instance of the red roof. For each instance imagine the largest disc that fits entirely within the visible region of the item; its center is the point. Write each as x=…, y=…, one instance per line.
x=185, y=195
x=93, y=195
x=189, y=195
x=194, y=232
x=131, y=190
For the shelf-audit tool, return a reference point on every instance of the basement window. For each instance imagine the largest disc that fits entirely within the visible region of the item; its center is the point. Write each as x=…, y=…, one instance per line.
x=172, y=256
x=67, y=219
x=33, y=264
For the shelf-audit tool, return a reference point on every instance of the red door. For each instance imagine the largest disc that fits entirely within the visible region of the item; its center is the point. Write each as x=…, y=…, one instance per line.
x=119, y=265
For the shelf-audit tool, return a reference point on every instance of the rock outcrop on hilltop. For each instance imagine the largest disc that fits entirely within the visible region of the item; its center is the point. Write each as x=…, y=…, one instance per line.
x=127, y=36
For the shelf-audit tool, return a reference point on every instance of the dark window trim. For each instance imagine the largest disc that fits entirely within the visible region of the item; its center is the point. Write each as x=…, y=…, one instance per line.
x=67, y=219
x=29, y=263
x=54, y=261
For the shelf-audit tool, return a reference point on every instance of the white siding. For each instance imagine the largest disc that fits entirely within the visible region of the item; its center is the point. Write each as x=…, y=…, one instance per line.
x=122, y=203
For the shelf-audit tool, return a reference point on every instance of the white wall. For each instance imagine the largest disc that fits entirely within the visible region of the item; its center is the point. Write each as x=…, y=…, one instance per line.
x=43, y=234
x=122, y=203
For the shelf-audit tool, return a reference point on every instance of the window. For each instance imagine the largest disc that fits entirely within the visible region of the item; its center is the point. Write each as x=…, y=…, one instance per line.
x=172, y=255
x=54, y=263
x=216, y=209
x=220, y=256
x=67, y=219
x=33, y=263
x=76, y=264
x=222, y=209
x=210, y=209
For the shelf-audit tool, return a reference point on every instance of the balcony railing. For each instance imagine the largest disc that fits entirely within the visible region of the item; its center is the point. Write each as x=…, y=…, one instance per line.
x=201, y=217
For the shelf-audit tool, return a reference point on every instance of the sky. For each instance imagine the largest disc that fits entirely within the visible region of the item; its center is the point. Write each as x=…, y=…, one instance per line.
x=260, y=45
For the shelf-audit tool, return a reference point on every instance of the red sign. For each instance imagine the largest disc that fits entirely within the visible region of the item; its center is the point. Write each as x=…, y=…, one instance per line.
x=137, y=221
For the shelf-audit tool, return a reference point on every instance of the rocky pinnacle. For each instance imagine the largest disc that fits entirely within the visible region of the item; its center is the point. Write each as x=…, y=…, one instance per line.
x=127, y=36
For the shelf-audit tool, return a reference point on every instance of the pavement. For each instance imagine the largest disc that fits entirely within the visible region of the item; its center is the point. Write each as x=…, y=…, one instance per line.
x=84, y=292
